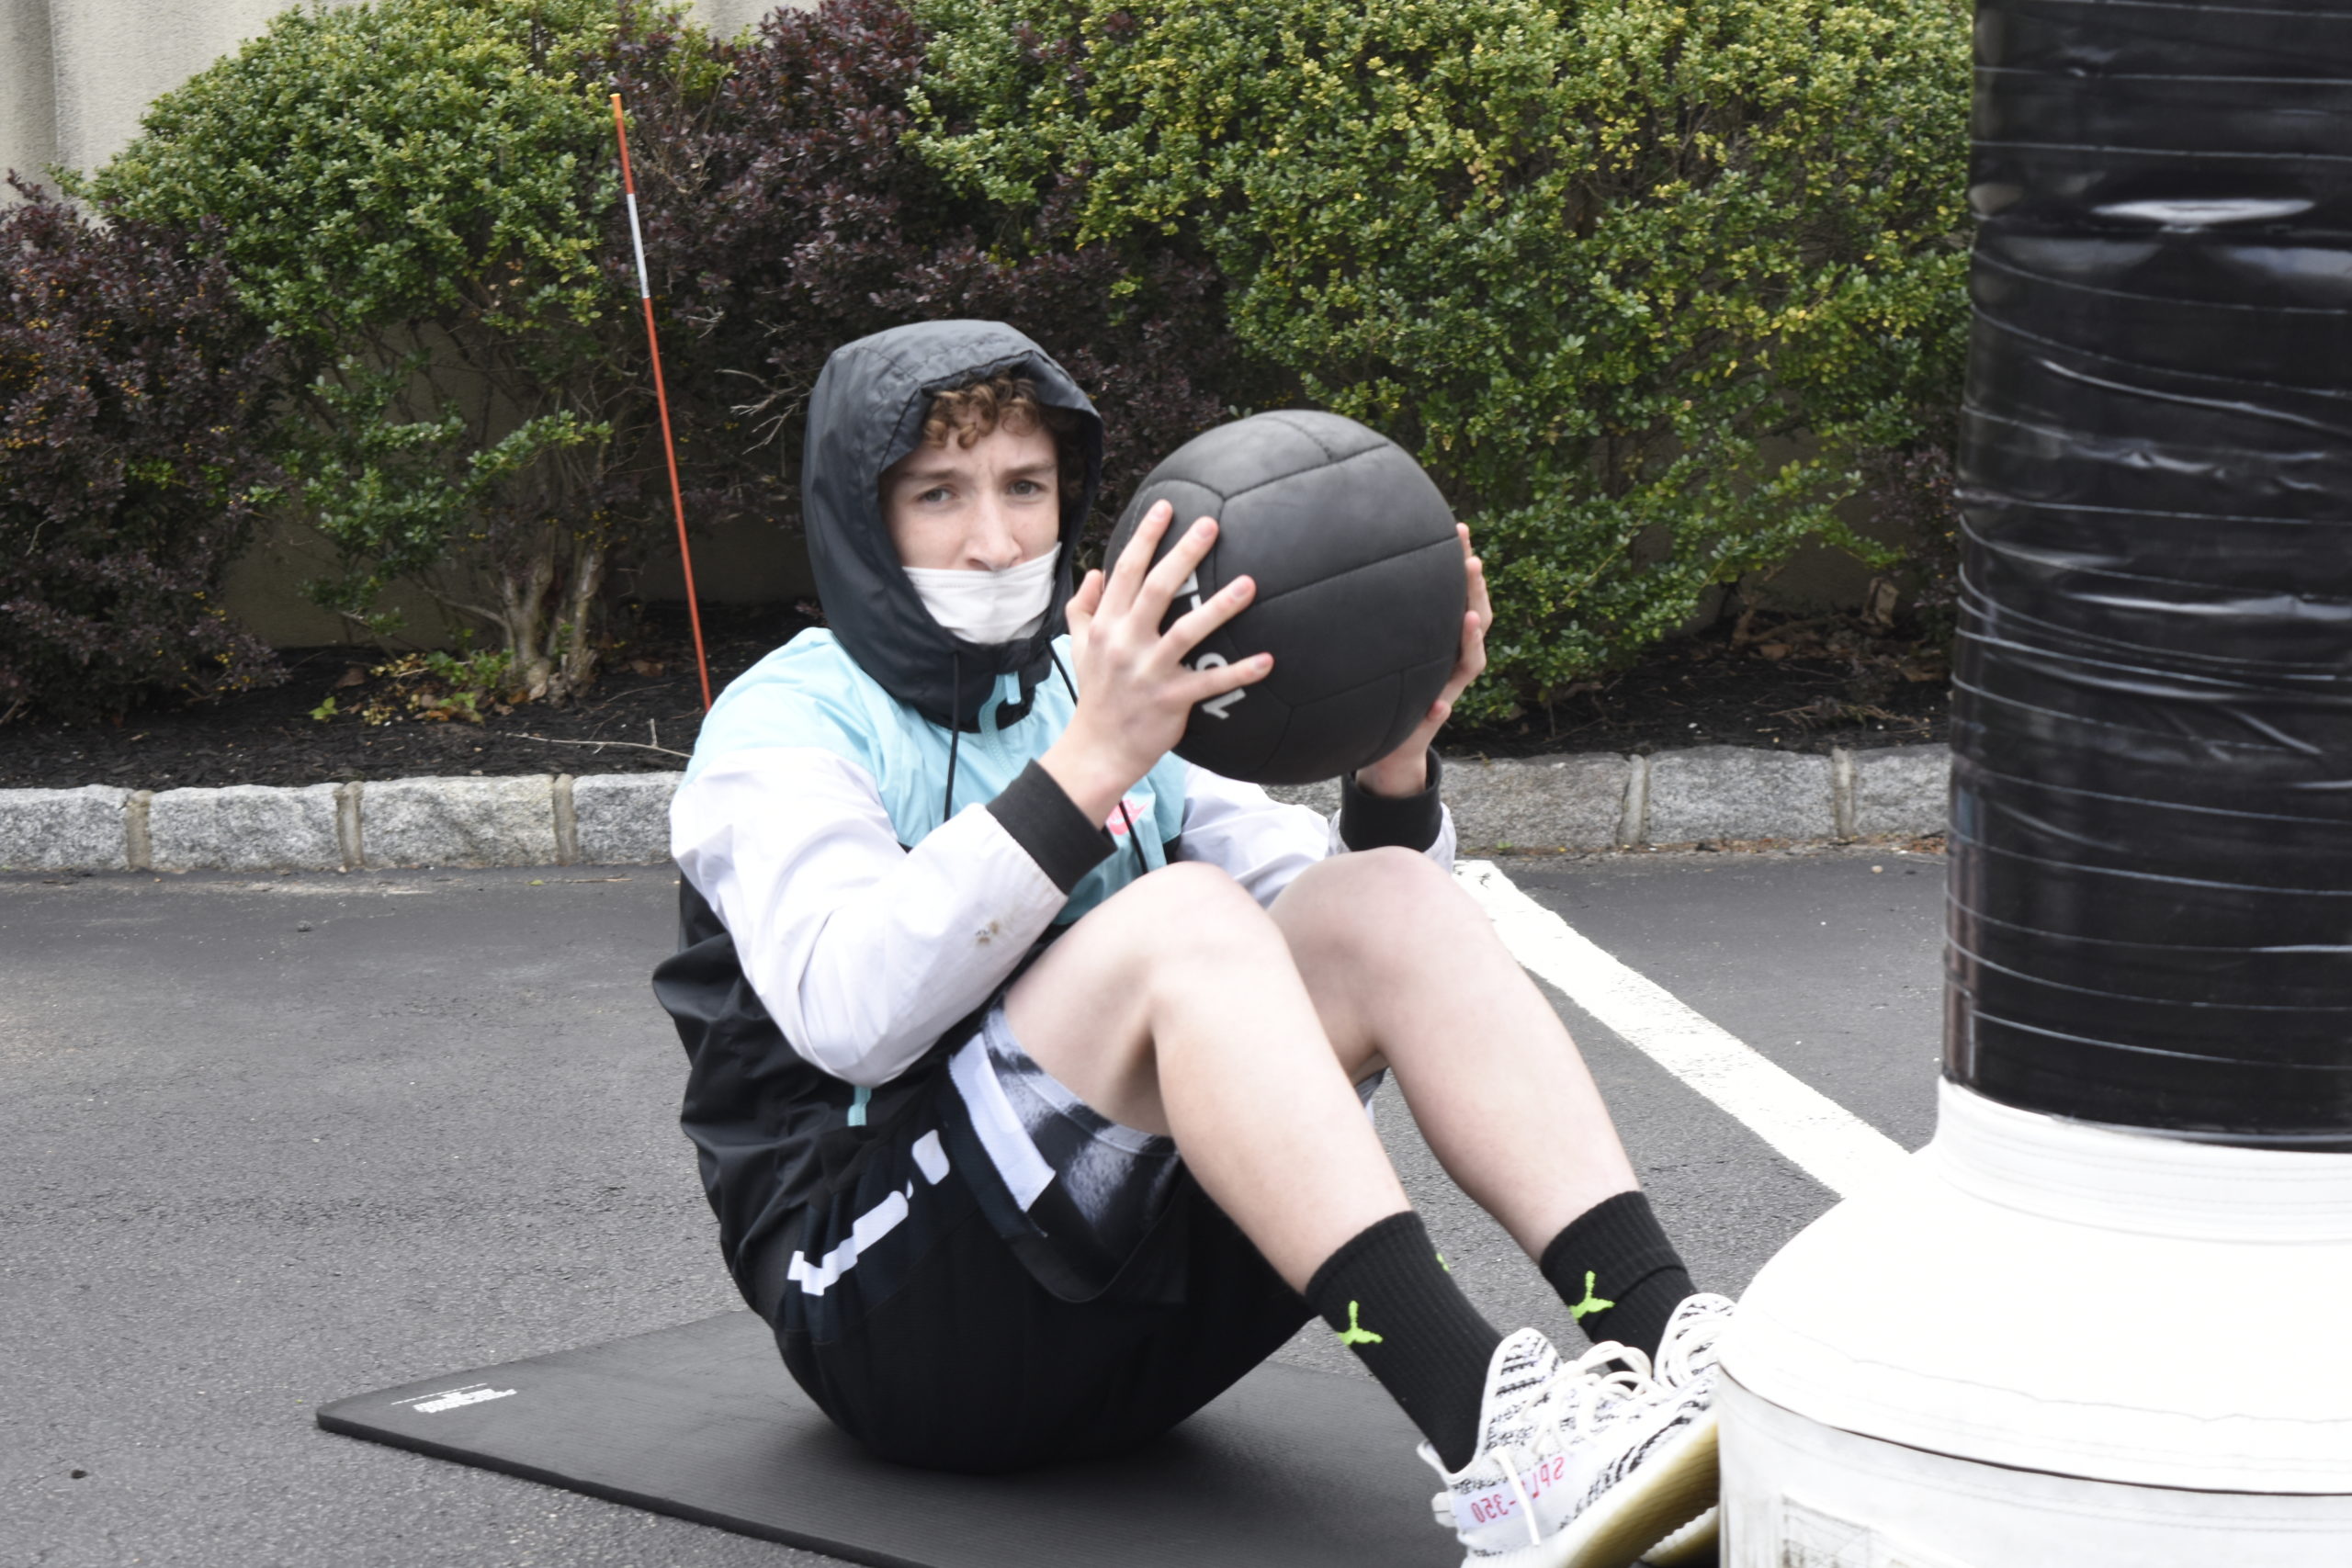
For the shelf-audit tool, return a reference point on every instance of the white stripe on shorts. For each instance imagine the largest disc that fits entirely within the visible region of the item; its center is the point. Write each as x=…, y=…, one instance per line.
x=1010, y=1149
x=871, y=1226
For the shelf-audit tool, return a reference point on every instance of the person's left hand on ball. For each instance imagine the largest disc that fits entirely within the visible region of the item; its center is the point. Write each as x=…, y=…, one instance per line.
x=1406, y=769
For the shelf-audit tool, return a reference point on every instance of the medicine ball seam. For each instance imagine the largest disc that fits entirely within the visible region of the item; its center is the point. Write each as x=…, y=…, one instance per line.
x=1328, y=463
x=1227, y=498
x=1409, y=550
x=1392, y=732
x=1293, y=706
x=1273, y=747
x=1283, y=418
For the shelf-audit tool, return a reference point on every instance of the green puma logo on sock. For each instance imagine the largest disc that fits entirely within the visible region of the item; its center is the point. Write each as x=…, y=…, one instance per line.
x=1352, y=1335
x=1590, y=1303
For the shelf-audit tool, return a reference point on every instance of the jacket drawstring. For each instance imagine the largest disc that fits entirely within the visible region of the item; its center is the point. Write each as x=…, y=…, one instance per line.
x=954, y=731
x=1143, y=867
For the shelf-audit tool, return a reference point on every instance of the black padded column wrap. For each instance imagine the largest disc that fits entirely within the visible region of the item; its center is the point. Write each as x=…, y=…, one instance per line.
x=2151, y=798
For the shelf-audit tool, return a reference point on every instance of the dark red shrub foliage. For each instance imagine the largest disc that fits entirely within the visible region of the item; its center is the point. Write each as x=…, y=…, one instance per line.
x=133, y=391
x=784, y=218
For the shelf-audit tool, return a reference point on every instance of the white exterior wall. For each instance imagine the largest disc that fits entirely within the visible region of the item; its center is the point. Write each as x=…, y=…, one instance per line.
x=27, y=104
x=77, y=74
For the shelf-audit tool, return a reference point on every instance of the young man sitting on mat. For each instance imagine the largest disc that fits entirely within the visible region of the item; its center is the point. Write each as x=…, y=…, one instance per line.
x=1028, y=1061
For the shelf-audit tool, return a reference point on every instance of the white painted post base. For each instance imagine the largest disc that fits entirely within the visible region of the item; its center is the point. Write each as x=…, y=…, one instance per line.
x=1799, y=1494
x=2049, y=1344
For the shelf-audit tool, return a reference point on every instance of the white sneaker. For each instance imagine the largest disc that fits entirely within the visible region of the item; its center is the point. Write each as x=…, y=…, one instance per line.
x=1685, y=1355
x=1686, y=1373
x=1697, y=1541
x=1578, y=1466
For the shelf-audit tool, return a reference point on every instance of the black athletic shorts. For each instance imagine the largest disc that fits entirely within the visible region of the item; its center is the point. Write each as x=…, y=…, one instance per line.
x=945, y=1325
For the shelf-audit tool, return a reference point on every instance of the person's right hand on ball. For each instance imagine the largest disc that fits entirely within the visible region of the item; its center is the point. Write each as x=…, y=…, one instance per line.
x=1135, y=691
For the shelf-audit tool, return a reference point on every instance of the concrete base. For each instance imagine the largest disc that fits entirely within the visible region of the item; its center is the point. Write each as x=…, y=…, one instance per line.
x=1996, y=1360
x=1800, y=1495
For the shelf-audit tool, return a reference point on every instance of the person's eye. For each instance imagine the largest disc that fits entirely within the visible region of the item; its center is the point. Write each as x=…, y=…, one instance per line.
x=1027, y=487
x=932, y=496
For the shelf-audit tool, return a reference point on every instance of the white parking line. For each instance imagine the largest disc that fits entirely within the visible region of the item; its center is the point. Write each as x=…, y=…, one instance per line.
x=1823, y=1138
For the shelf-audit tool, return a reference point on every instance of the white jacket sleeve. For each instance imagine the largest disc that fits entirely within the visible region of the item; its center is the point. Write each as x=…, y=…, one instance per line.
x=862, y=950
x=1263, y=843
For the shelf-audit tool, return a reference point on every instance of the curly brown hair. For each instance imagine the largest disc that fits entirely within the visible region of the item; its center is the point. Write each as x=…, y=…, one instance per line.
x=963, y=414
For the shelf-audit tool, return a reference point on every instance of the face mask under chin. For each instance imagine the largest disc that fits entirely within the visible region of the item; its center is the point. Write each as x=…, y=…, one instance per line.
x=988, y=607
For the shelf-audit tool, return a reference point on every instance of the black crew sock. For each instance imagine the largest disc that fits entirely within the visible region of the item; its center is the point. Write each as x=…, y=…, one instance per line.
x=1393, y=1303
x=1620, y=1275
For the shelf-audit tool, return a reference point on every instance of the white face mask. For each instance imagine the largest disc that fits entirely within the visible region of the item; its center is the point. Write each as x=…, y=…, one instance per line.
x=988, y=607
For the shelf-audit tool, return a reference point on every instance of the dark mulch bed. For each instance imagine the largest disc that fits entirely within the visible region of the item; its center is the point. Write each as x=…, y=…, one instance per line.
x=1803, y=687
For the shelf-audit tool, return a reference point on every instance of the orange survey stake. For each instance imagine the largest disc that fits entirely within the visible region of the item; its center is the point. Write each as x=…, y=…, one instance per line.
x=662, y=400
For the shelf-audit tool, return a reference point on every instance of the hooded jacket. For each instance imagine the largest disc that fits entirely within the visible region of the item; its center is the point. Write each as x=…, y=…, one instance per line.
x=865, y=413
x=868, y=849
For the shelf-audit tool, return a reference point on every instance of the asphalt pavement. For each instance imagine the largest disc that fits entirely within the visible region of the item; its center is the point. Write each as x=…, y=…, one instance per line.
x=268, y=1141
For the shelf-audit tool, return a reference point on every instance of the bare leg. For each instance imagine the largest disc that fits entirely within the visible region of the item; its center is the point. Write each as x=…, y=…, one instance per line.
x=1179, y=1006
x=1175, y=1007
x=1404, y=967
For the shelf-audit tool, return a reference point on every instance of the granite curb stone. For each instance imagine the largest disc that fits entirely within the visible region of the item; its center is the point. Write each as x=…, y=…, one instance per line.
x=1735, y=792
x=1904, y=789
x=1580, y=802
x=243, y=827
x=458, y=822
x=65, y=829
x=623, y=819
x=1538, y=803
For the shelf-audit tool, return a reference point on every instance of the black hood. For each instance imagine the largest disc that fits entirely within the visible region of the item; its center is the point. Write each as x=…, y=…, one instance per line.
x=865, y=413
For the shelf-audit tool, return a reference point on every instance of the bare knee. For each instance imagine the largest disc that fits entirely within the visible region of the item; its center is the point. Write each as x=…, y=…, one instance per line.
x=1095, y=1008
x=1195, y=921
x=1185, y=901
x=1391, y=872
x=1186, y=883
x=1169, y=929
x=1369, y=898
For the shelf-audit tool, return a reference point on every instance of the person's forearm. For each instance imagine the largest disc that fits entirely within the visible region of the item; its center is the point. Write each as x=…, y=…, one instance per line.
x=1093, y=776
x=1402, y=773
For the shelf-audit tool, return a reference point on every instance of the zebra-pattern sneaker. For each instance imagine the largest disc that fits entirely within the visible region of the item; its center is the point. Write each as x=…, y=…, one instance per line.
x=1578, y=1466
x=1686, y=1371
x=1685, y=1355
x=1698, y=1541
x=1509, y=1493
x=1655, y=1464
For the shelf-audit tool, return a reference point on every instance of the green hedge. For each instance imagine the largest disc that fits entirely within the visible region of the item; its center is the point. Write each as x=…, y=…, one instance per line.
x=417, y=197
x=1649, y=287
x=1643, y=282
x=421, y=198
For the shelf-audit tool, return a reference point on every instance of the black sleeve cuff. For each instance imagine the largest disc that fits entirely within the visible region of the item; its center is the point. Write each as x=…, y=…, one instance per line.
x=1044, y=820
x=1378, y=821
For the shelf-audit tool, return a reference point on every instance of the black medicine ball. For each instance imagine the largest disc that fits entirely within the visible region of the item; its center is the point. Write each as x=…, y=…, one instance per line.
x=1361, y=591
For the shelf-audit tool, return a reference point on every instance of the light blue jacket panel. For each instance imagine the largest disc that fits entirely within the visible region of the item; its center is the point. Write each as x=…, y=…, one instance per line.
x=809, y=693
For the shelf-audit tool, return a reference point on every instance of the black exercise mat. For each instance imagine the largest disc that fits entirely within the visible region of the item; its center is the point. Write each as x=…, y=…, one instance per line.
x=1300, y=1468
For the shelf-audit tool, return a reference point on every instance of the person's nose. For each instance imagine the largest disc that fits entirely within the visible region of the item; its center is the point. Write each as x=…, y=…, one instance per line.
x=992, y=545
